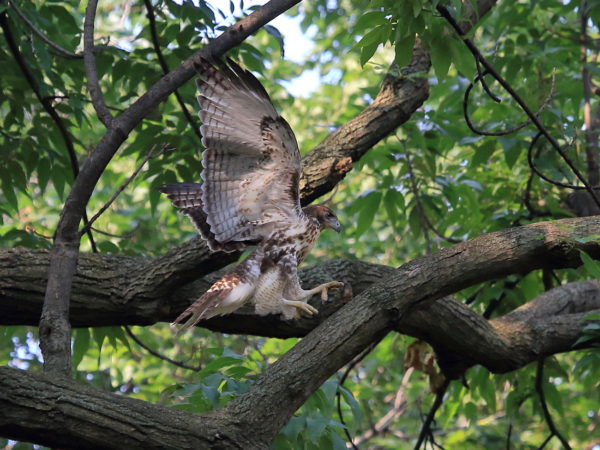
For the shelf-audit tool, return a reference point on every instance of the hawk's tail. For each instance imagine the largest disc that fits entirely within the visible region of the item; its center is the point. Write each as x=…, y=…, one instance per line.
x=196, y=311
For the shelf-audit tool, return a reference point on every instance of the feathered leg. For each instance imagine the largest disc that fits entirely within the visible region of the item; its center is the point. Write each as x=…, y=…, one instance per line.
x=297, y=297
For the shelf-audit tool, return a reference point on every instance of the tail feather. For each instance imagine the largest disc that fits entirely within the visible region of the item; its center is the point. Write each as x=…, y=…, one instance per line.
x=199, y=310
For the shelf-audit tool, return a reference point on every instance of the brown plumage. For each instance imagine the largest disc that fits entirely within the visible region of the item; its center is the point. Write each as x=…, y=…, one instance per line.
x=250, y=196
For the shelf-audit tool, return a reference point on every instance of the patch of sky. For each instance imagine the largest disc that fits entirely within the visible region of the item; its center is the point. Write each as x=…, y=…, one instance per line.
x=297, y=44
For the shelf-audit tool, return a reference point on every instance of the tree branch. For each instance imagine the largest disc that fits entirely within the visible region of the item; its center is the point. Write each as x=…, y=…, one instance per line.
x=124, y=290
x=61, y=51
x=390, y=304
x=60, y=413
x=151, y=154
x=539, y=388
x=490, y=69
x=398, y=98
x=46, y=103
x=89, y=64
x=96, y=419
x=165, y=68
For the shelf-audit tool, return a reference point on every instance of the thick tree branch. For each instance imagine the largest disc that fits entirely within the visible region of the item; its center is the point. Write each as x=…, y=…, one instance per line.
x=58, y=412
x=390, y=304
x=547, y=325
x=380, y=308
x=63, y=414
x=398, y=98
x=123, y=290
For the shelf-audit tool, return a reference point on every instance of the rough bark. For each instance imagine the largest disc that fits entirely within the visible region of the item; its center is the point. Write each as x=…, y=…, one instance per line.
x=398, y=98
x=62, y=413
x=373, y=313
x=123, y=290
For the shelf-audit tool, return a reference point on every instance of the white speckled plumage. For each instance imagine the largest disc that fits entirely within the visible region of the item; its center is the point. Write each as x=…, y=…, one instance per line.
x=249, y=196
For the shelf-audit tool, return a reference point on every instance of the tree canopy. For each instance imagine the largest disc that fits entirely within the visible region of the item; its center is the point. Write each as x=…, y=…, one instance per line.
x=457, y=143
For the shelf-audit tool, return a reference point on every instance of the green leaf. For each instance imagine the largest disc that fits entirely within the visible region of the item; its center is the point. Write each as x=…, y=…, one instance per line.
x=369, y=20
x=553, y=397
x=354, y=406
x=108, y=247
x=372, y=37
x=294, y=426
x=483, y=153
x=315, y=428
x=404, y=49
x=99, y=334
x=81, y=344
x=441, y=54
x=367, y=52
x=273, y=31
x=486, y=388
x=591, y=266
x=367, y=213
x=9, y=193
x=219, y=363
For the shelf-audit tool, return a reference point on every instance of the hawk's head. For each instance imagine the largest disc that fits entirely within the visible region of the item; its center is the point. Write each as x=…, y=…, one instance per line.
x=325, y=216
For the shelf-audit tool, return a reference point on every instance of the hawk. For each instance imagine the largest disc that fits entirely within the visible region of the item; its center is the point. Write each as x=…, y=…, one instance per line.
x=249, y=197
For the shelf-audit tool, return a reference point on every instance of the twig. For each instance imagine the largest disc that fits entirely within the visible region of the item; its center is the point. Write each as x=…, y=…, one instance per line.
x=476, y=54
x=47, y=105
x=419, y=205
x=338, y=396
x=539, y=388
x=118, y=236
x=157, y=354
x=526, y=197
x=426, y=428
x=507, y=286
x=89, y=62
x=165, y=67
x=398, y=408
x=151, y=154
x=534, y=168
x=480, y=78
x=61, y=51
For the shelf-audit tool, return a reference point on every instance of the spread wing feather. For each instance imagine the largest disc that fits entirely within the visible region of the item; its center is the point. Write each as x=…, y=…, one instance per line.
x=188, y=198
x=251, y=165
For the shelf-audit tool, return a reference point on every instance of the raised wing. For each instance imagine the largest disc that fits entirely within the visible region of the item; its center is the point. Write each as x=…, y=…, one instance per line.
x=251, y=165
x=188, y=198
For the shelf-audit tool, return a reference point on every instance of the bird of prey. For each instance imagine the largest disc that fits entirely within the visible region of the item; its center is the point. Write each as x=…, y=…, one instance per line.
x=249, y=197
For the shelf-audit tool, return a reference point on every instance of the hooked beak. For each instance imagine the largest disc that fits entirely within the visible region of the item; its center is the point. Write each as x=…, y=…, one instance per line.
x=334, y=224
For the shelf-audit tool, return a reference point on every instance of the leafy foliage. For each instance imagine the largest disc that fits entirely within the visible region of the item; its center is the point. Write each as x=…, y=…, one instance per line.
x=432, y=170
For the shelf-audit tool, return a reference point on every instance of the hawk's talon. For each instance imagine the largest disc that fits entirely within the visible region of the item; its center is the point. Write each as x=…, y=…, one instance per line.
x=326, y=287
x=303, y=306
